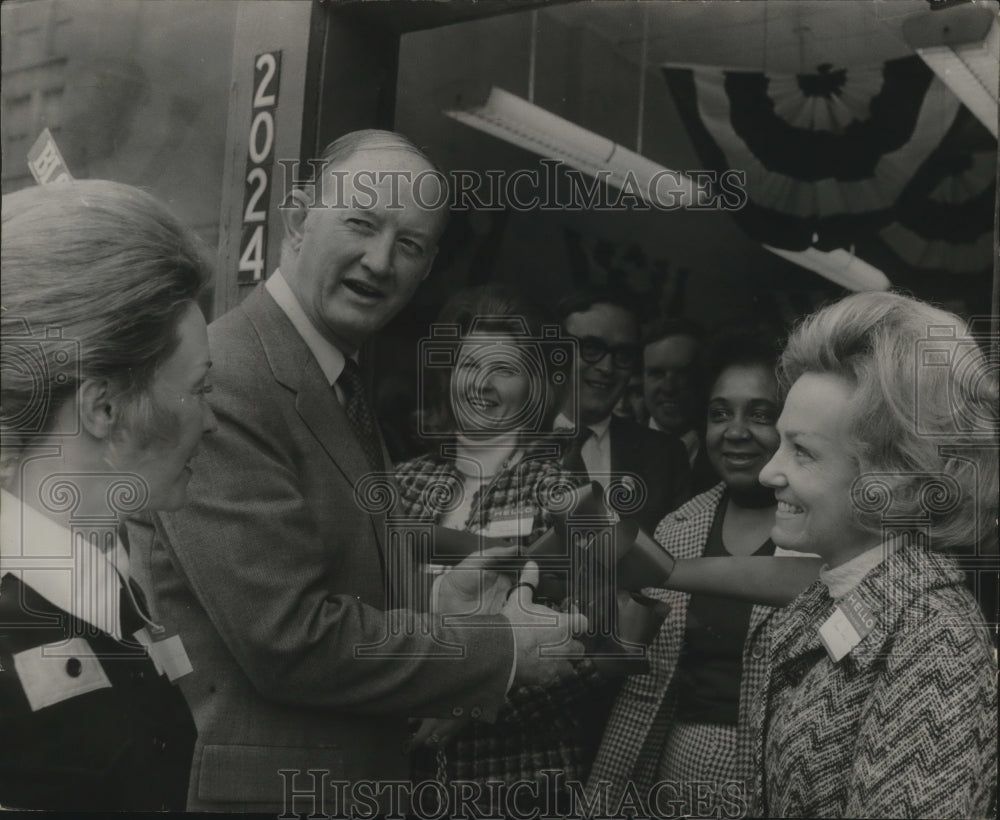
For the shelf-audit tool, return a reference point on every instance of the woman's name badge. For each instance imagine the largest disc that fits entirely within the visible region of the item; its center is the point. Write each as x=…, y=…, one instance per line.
x=511, y=523
x=852, y=619
x=167, y=653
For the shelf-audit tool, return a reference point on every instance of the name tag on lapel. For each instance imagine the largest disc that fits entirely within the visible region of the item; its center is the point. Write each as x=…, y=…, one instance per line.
x=167, y=653
x=56, y=672
x=852, y=619
x=510, y=523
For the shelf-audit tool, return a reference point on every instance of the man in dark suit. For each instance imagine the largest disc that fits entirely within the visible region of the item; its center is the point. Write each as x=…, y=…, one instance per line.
x=670, y=355
x=610, y=448
x=278, y=575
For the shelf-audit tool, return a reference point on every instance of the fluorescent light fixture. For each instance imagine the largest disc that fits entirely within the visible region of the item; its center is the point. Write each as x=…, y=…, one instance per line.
x=524, y=124
x=962, y=46
x=839, y=266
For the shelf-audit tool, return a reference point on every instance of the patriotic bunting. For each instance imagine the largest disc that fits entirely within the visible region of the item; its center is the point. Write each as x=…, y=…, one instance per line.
x=884, y=159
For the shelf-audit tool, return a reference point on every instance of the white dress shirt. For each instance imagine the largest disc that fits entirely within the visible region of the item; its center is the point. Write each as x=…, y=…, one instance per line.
x=596, y=450
x=690, y=439
x=328, y=355
x=78, y=578
x=331, y=362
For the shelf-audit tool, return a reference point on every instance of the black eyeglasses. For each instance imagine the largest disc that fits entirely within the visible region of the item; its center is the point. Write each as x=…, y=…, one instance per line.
x=624, y=356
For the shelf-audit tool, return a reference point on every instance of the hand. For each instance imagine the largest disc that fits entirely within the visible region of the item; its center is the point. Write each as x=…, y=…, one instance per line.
x=437, y=732
x=472, y=587
x=537, y=627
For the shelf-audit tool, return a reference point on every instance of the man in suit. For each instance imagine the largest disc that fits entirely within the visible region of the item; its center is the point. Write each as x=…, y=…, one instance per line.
x=671, y=350
x=278, y=575
x=608, y=447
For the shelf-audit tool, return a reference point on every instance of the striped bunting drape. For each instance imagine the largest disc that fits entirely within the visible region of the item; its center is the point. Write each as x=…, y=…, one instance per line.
x=883, y=158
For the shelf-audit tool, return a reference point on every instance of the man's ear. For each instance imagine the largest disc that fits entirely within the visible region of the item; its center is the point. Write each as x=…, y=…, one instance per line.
x=293, y=218
x=99, y=406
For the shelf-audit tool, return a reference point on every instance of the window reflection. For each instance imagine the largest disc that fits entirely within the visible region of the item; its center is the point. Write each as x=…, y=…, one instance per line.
x=132, y=91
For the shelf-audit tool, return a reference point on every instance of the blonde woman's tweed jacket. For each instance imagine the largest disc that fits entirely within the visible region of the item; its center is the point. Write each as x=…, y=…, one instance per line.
x=637, y=730
x=905, y=725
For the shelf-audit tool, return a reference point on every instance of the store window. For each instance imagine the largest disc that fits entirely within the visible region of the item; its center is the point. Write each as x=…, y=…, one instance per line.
x=132, y=91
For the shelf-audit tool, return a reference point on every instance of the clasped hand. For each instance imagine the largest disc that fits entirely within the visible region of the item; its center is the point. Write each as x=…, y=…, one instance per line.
x=476, y=587
x=543, y=638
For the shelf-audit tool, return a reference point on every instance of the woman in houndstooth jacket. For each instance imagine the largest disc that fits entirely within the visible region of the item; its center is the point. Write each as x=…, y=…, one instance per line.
x=679, y=723
x=491, y=472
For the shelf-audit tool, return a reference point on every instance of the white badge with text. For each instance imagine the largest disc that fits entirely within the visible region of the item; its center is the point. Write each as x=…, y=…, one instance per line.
x=511, y=522
x=852, y=619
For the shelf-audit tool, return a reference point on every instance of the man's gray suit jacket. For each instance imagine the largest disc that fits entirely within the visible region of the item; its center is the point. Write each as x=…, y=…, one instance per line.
x=277, y=578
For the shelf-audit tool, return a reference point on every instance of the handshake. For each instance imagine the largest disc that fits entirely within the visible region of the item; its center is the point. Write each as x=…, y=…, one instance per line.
x=591, y=565
x=545, y=640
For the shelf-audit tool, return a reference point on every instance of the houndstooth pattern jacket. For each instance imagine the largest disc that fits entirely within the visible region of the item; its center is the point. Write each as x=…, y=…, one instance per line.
x=905, y=725
x=636, y=733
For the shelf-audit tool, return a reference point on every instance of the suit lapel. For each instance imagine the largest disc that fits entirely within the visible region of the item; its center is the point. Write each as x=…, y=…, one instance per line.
x=758, y=615
x=293, y=365
x=621, y=451
x=319, y=409
x=686, y=539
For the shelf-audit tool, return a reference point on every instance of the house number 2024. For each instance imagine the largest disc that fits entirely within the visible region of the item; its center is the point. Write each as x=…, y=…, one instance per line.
x=260, y=161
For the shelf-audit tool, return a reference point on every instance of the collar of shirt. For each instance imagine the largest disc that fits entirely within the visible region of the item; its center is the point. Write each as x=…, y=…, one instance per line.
x=599, y=428
x=691, y=440
x=328, y=355
x=87, y=584
x=896, y=577
x=841, y=580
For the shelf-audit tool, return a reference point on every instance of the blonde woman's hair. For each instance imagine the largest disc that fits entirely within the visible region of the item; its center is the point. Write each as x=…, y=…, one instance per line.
x=924, y=417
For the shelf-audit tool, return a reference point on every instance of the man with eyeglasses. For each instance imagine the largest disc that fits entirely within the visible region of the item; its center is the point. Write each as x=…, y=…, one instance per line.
x=606, y=329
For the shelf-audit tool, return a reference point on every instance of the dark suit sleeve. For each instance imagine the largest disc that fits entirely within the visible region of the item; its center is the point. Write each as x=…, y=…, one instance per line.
x=679, y=479
x=663, y=464
x=285, y=603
